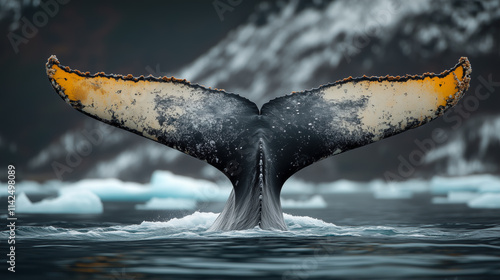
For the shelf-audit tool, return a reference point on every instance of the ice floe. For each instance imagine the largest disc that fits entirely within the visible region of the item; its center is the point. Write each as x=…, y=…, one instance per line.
x=164, y=184
x=487, y=200
x=76, y=202
x=167, y=204
x=168, y=191
x=315, y=201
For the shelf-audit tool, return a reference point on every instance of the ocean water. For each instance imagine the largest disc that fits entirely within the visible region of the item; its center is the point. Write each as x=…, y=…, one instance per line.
x=355, y=237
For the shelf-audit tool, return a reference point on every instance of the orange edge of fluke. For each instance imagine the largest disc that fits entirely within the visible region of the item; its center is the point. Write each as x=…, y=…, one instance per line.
x=463, y=84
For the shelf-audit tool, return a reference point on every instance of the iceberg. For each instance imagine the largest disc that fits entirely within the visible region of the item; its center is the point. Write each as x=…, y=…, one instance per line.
x=297, y=186
x=315, y=201
x=397, y=190
x=76, y=202
x=156, y=203
x=392, y=193
x=167, y=184
x=472, y=183
x=455, y=197
x=342, y=186
x=111, y=189
x=487, y=200
x=164, y=184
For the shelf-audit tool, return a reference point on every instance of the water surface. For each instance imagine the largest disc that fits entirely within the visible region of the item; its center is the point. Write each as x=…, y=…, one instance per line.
x=355, y=237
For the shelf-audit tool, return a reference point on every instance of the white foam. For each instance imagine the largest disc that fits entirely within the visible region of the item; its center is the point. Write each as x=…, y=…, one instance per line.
x=167, y=204
x=315, y=201
x=197, y=220
x=467, y=189
x=492, y=186
x=382, y=190
x=296, y=222
x=488, y=200
x=196, y=225
x=77, y=202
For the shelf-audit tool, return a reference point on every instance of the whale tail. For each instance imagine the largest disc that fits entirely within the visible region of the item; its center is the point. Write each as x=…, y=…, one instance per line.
x=258, y=150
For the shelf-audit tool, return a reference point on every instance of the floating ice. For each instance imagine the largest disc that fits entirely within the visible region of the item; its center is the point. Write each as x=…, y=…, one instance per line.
x=297, y=186
x=472, y=183
x=315, y=201
x=163, y=184
x=392, y=190
x=167, y=184
x=487, y=200
x=342, y=186
x=477, y=191
x=196, y=220
x=381, y=189
x=455, y=197
x=111, y=189
x=76, y=202
x=297, y=222
x=167, y=204
x=32, y=187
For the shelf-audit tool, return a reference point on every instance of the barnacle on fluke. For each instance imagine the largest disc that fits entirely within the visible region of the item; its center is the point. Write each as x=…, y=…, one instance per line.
x=259, y=149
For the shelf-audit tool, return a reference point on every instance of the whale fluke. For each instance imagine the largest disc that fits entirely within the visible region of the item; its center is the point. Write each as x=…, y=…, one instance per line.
x=258, y=150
